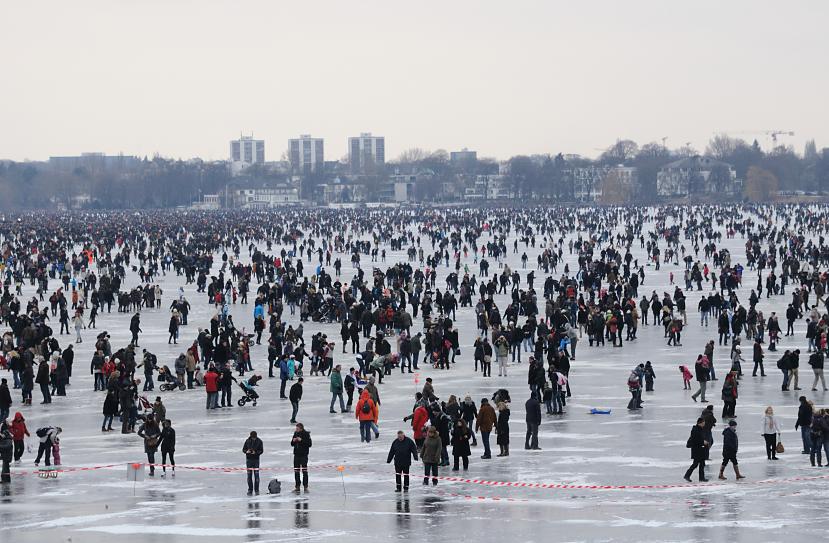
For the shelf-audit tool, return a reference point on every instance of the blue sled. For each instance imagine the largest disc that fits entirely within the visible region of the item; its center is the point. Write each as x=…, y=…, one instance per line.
x=595, y=411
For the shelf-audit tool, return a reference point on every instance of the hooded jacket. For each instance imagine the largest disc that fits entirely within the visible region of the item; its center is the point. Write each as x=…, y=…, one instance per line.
x=365, y=398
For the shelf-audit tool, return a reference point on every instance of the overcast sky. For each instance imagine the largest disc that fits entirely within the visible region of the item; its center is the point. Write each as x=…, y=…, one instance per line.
x=183, y=77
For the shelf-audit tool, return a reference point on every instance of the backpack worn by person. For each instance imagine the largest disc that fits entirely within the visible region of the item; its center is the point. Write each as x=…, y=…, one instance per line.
x=366, y=408
x=41, y=432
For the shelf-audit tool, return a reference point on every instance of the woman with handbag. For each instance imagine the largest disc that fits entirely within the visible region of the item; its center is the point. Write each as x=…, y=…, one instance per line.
x=771, y=430
x=152, y=435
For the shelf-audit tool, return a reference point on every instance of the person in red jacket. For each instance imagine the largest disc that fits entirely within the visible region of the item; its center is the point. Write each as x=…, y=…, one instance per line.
x=19, y=432
x=366, y=412
x=211, y=385
x=419, y=420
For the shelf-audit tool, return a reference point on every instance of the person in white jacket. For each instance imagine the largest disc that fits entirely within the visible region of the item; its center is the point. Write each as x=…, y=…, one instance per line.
x=771, y=430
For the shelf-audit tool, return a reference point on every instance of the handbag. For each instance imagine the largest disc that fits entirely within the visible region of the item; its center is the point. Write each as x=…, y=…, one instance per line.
x=780, y=448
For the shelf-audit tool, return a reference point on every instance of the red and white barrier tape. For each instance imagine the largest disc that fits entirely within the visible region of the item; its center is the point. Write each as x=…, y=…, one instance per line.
x=452, y=479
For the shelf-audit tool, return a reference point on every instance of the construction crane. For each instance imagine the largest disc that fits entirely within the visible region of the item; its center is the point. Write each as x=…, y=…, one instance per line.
x=773, y=134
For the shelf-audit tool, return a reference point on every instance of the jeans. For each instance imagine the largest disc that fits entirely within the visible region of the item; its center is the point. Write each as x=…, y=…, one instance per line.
x=252, y=465
x=107, y=421
x=401, y=471
x=100, y=382
x=430, y=468
x=4, y=413
x=701, y=391
x=415, y=358
x=334, y=396
x=485, y=441
x=793, y=374
x=806, y=437
x=301, y=466
x=189, y=379
x=365, y=431
x=148, y=382
x=294, y=411
x=785, y=378
x=212, y=400
x=226, y=395
x=531, y=440
x=44, y=389
x=703, y=318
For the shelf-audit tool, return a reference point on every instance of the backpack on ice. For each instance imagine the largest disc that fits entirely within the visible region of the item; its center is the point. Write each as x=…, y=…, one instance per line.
x=274, y=487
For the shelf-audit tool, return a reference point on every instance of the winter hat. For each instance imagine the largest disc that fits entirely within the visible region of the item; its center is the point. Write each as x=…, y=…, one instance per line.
x=732, y=422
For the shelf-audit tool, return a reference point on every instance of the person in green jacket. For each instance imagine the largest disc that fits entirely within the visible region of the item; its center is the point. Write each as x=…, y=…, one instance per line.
x=337, y=389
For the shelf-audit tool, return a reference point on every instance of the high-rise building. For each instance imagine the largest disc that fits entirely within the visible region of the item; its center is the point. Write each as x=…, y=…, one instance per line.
x=306, y=154
x=464, y=160
x=367, y=154
x=247, y=150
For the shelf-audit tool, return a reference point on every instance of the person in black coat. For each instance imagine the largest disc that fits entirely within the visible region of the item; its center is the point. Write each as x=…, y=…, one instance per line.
x=699, y=450
x=253, y=449
x=295, y=396
x=730, y=445
x=403, y=450
x=152, y=435
x=460, y=445
x=533, y=408
x=502, y=428
x=301, y=442
x=68, y=356
x=168, y=446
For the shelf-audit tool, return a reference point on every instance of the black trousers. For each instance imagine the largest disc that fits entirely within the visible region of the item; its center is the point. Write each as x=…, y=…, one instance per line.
x=45, y=449
x=401, y=472
x=301, y=465
x=701, y=465
x=164, y=459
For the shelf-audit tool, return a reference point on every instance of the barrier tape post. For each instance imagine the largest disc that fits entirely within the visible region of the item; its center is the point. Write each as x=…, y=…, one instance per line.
x=341, y=469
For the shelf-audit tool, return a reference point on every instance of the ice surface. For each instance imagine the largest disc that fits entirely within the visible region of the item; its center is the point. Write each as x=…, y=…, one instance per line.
x=641, y=448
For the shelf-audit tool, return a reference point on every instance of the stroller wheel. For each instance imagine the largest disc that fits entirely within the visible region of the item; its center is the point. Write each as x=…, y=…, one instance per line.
x=254, y=403
x=241, y=402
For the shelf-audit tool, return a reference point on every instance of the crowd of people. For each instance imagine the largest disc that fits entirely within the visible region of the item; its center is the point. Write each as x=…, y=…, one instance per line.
x=530, y=314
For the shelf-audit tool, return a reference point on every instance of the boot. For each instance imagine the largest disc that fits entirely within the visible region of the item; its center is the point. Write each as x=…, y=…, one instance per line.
x=502, y=451
x=737, y=473
x=506, y=450
x=721, y=476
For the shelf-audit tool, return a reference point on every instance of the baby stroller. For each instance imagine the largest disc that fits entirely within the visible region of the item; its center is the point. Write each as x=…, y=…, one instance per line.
x=501, y=395
x=250, y=394
x=171, y=382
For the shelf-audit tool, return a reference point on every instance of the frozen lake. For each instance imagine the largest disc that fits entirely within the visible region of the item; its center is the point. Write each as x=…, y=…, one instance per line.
x=776, y=502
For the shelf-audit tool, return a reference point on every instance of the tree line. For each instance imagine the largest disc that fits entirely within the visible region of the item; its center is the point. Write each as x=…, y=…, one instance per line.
x=161, y=182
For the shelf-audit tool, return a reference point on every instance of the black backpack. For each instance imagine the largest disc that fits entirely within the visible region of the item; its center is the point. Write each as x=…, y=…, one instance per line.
x=274, y=487
x=366, y=407
x=41, y=432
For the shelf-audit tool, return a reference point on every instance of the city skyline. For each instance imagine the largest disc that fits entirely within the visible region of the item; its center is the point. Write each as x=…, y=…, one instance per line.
x=532, y=78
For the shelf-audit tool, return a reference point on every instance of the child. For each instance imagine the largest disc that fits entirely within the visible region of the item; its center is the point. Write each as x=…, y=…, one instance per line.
x=56, y=450
x=649, y=376
x=686, y=377
x=19, y=432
